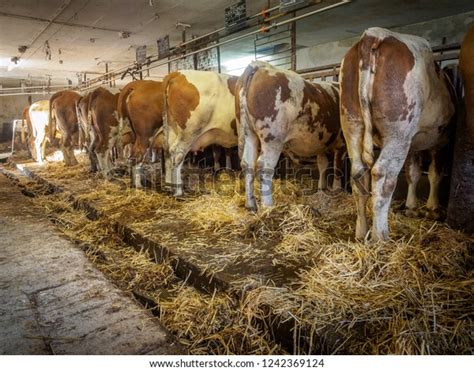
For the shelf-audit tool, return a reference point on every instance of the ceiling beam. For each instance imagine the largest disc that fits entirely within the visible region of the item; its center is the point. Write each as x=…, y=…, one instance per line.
x=77, y=25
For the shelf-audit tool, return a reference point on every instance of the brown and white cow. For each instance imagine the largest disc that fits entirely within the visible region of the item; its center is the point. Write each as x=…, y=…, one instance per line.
x=62, y=106
x=89, y=138
x=199, y=111
x=279, y=111
x=38, y=118
x=394, y=95
x=140, y=110
x=466, y=65
x=105, y=127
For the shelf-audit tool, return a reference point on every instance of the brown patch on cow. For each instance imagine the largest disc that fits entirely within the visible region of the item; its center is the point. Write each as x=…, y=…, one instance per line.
x=269, y=138
x=237, y=88
x=233, y=125
x=376, y=133
x=231, y=83
x=102, y=105
x=388, y=187
x=466, y=68
x=339, y=162
x=394, y=62
x=63, y=104
x=182, y=98
x=328, y=109
x=262, y=93
x=350, y=84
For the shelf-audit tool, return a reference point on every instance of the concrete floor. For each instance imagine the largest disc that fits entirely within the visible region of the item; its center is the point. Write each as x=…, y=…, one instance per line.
x=54, y=301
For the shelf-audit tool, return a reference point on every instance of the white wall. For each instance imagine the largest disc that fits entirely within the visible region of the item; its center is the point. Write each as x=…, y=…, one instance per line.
x=453, y=28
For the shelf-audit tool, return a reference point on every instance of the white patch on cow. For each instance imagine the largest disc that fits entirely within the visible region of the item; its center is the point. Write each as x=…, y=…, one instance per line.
x=209, y=123
x=39, y=117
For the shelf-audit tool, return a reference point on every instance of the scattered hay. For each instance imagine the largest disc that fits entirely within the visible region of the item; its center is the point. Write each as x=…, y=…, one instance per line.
x=214, y=324
x=411, y=295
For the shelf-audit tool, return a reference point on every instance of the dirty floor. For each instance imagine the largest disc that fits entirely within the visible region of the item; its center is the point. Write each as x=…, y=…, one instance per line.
x=53, y=300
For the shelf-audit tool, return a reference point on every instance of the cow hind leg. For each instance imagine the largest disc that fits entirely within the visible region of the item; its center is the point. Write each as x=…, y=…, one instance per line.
x=92, y=155
x=384, y=179
x=323, y=164
x=93, y=160
x=105, y=165
x=412, y=173
x=216, y=152
x=249, y=164
x=266, y=166
x=338, y=169
x=176, y=179
x=64, y=150
x=228, y=158
x=137, y=174
x=167, y=169
x=360, y=175
x=38, y=150
x=68, y=151
x=435, y=175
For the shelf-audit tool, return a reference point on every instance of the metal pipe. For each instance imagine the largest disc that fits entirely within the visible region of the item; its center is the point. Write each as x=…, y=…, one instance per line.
x=223, y=28
x=132, y=64
x=60, y=10
x=34, y=87
x=240, y=37
x=293, y=45
x=113, y=74
x=262, y=29
x=38, y=19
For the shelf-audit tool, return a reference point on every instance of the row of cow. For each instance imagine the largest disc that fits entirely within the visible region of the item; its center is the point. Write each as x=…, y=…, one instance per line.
x=392, y=95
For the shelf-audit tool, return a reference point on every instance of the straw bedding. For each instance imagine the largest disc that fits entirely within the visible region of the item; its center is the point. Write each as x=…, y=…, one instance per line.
x=411, y=295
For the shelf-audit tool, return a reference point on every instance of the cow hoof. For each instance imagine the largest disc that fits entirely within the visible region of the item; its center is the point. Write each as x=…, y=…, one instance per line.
x=252, y=209
x=436, y=214
x=412, y=213
x=178, y=194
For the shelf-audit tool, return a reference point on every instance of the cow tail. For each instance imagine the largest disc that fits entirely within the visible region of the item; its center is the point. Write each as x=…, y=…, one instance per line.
x=122, y=109
x=92, y=99
x=366, y=82
x=245, y=82
x=165, y=114
x=51, y=120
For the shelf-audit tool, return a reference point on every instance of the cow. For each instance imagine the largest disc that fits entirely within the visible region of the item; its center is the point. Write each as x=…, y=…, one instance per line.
x=62, y=107
x=105, y=127
x=88, y=139
x=279, y=111
x=199, y=110
x=37, y=120
x=466, y=65
x=393, y=95
x=140, y=111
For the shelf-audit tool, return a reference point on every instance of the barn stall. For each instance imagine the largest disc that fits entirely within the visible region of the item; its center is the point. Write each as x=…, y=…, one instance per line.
x=287, y=279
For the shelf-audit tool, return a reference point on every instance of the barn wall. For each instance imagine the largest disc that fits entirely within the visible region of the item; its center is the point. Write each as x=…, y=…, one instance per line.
x=12, y=107
x=453, y=28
